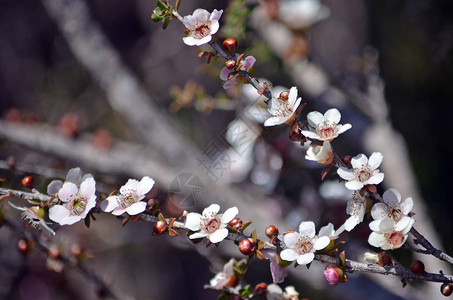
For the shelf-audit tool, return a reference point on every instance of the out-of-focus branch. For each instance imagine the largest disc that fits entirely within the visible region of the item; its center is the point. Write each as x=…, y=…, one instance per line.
x=123, y=89
x=44, y=246
x=351, y=266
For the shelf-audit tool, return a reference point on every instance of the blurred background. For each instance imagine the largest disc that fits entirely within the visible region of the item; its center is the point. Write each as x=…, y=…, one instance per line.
x=97, y=84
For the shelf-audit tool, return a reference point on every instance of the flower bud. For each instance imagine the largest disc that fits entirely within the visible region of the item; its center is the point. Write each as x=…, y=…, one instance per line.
x=247, y=247
x=284, y=96
x=417, y=267
x=230, y=44
x=236, y=224
x=446, y=289
x=230, y=64
x=160, y=227
x=271, y=231
x=27, y=182
x=260, y=289
x=334, y=274
x=54, y=252
x=23, y=246
x=347, y=161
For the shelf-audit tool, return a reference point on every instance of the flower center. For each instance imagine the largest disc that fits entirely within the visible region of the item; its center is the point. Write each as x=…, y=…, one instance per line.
x=127, y=200
x=395, y=238
x=201, y=31
x=326, y=130
x=210, y=225
x=304, y=245
x=77, y=206
x=395, y=214
x=284, y=110
x=362, y=174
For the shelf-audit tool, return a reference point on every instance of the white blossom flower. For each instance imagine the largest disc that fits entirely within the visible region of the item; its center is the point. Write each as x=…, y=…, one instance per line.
x=393, y=208
x=322, y=154
x=356, y=209
x=274, y=292
x=129, y=198
x=77, y=202
x=389, y=235
x=201, y=26
x=247, y=65
x=325, y=127
x=330, y=232
x=283, y=111
x=224, y=278
x=301, y=245
x=364, y=171
x=210, y=224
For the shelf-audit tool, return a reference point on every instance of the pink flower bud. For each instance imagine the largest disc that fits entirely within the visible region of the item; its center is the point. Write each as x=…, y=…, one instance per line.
x=334, y=274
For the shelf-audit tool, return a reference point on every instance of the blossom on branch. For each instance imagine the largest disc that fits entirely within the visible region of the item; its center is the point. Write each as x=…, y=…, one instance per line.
x=356, y=209
x=392, y=207
x=74, y=175
x=210, y=224
x=231, y=80
x=224, y=278
x=129, y=198
x=201, y=25
x=301, y=245
x=77, y=202
x=274, y=292
x=283, y=110
x=389, y=235
x=322, y=154
x=325, y=127
x=364, y=171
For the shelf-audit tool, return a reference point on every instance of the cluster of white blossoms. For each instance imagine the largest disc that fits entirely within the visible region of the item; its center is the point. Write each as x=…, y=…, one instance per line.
x=76, y=197
x=392, y=221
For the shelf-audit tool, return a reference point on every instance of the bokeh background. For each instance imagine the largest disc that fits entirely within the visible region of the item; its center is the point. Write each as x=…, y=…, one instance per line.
x=346, y=50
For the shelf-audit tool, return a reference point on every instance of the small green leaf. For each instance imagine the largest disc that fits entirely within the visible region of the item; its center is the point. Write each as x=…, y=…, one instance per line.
x=245, y=225
x=342, y=258
x=178, y=2
x=161, y=217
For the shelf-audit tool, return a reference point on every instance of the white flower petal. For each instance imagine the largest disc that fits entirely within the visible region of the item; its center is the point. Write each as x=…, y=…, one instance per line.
x=88, y=187
x=375, y=160
x=109, y=204
x=211, y=209
x=193, y=221
x=376, y=179
x=145, y=185
x=378, y=211
x=68, y=191
x=353, y=185
x=305, y=259
x=57, y=213
x=229, y=214
x=376, y=239
x=321, y=243
x=310, y=134
x=359, y=160
x=290, y=239
x=407, y=205
x=289, y=255
x=307, y=228
x=54, y=187
x=70, y=220
x=343, y=128
x=351, y=222
x=392, y=197
x=74, y=175
x=327, y=230
x=118, y=211
x=332, y=115
x=218, y=236
x=345, y=173
x=292, y=97
x=197, y=235
x=136, y=208
x=314, y=118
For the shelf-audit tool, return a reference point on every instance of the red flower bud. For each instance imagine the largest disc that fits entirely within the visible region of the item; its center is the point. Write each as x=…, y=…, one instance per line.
x=271, y=231
x=417, y=267
x=334, y=274
x=23, y=246
x=261, y=289
x=347, y=161
x=284, y=95
x=160, y=227
x=446, y=289
x=230, y=44
x=247, y=247
x=27, y=182
x=236, y=224
x=230, y=64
